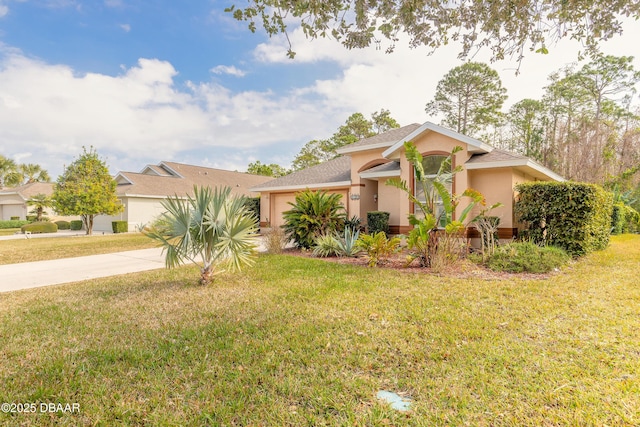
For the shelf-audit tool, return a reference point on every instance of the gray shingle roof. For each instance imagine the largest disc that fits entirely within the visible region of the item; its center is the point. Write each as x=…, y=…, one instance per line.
x=337, y=170
x=389, y=138
x=497, y=155
x=387, y=167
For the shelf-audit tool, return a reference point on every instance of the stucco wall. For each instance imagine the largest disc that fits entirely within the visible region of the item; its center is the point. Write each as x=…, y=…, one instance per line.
x=277, y=203
x=497, y=186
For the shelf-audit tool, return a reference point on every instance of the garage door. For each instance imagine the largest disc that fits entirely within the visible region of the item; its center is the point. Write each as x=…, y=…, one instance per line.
x=280, y=203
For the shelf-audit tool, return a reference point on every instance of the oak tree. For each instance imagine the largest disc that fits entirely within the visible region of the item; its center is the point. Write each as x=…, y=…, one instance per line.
x=87, y=189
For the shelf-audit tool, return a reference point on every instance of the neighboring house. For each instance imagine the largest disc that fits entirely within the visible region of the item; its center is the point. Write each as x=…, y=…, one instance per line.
x=142, y=193
x=13, y=200
x=362, y=169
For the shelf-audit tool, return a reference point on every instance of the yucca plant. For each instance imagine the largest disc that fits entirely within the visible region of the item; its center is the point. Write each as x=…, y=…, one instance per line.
x=348, y=243
x=326, y=245
x=313, y=214
x=212, y=229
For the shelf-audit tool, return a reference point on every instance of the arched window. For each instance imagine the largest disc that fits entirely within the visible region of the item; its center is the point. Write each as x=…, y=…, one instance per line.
x=431, y=165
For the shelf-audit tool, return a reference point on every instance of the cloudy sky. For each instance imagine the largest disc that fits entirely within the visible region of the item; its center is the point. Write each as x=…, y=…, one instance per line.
x=146, y=81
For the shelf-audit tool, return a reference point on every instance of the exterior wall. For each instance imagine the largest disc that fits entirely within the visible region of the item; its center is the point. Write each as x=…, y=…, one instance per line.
x=364, y=188
x=369, y=198
x=7, y=211
x=497, y=186
x=432, y=143
x=389, y=200
x=137, y=211
x=272, y=205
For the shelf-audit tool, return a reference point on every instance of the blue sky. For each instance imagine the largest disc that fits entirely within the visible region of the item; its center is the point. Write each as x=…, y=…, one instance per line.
x=146, y=81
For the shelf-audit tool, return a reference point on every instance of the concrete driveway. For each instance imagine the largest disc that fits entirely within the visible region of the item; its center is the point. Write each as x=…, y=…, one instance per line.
x=54, y=272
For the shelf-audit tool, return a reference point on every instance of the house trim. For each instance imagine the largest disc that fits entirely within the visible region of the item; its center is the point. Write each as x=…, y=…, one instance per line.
x=473, y=145
x=322, y=185
x=522, y=163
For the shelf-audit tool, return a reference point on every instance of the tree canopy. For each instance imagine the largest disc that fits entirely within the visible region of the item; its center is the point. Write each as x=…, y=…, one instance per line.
x=470, y=97
x=355, y=128
x=87, y=189
x=505, y=28
x=272, y=169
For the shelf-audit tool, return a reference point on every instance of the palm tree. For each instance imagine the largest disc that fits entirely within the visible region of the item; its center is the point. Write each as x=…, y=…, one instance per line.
x=32, y=172
x=212, y=229
x=8, y=172
x=40, y=202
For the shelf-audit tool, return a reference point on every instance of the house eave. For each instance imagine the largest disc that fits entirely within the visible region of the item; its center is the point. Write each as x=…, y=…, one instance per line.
x=474, y=146
x=374, y=175
x=302, y=187
x=528, y=165
x=348, y=149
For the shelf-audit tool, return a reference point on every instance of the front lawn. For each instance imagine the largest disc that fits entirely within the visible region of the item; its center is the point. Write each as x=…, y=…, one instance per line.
x=298, y=341
x=38, y=249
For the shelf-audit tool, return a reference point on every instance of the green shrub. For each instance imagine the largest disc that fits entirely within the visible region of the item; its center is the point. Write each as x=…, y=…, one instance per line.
x=378, y=247
x=527, y=257
x=573, y=216
x=624, y=219
x=63, y=225
x=253, y=205
x=120, y=226
x=75, y=225
x=313, y=214
x=15, y=218
x=40, y=227
x=326, y=245
x=31, y=218
x=13, y=223
x=377, y=221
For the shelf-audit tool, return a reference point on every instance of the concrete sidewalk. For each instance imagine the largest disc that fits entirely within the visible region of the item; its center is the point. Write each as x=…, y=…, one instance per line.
x=54, y=272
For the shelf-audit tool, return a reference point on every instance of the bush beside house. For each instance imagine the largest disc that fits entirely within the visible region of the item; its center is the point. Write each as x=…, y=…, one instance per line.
x=573, y=216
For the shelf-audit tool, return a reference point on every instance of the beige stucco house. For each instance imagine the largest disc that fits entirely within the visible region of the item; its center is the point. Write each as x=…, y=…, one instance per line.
x=13, y=200
x=142, y=193
x=360, y=172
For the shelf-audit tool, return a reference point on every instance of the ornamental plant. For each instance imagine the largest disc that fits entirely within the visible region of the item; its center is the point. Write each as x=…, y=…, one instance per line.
x=212, y=229
x=313, y=214
x=432, y=226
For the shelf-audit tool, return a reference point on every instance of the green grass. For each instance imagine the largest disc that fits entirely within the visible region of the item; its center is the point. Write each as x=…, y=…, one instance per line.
x=8, y=231
x=299, y=341
x=38, y=249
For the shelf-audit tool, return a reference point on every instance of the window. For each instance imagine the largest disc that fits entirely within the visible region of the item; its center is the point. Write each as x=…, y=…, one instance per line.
x=431, y=166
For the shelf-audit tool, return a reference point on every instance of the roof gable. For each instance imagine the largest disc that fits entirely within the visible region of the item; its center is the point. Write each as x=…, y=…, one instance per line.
x=382, y=140
x=179, y=179
x=473, y=145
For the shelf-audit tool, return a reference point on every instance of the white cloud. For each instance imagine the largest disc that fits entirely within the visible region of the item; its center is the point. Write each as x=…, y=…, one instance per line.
x=125, y=27
x=4, y=10
x=405, y=80
x=48, y=112
x=226, y=69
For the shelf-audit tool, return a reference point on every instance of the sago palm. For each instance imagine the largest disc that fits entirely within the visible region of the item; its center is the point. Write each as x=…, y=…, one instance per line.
x=212, y=229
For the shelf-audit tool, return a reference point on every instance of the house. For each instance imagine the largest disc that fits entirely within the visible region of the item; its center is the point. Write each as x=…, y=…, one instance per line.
x=142, y=193
x=13, y=201
x=362, y=168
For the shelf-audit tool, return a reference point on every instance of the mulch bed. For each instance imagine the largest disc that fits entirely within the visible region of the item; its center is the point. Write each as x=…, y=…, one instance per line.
x=464, y=269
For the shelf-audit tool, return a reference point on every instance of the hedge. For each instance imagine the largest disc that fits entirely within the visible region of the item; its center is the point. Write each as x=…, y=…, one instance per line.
x=40, y=227
x=377, y=221
x=63, y=225
x=75, y=225
x=120, y=226
x=573, y=216
x=13, y=223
